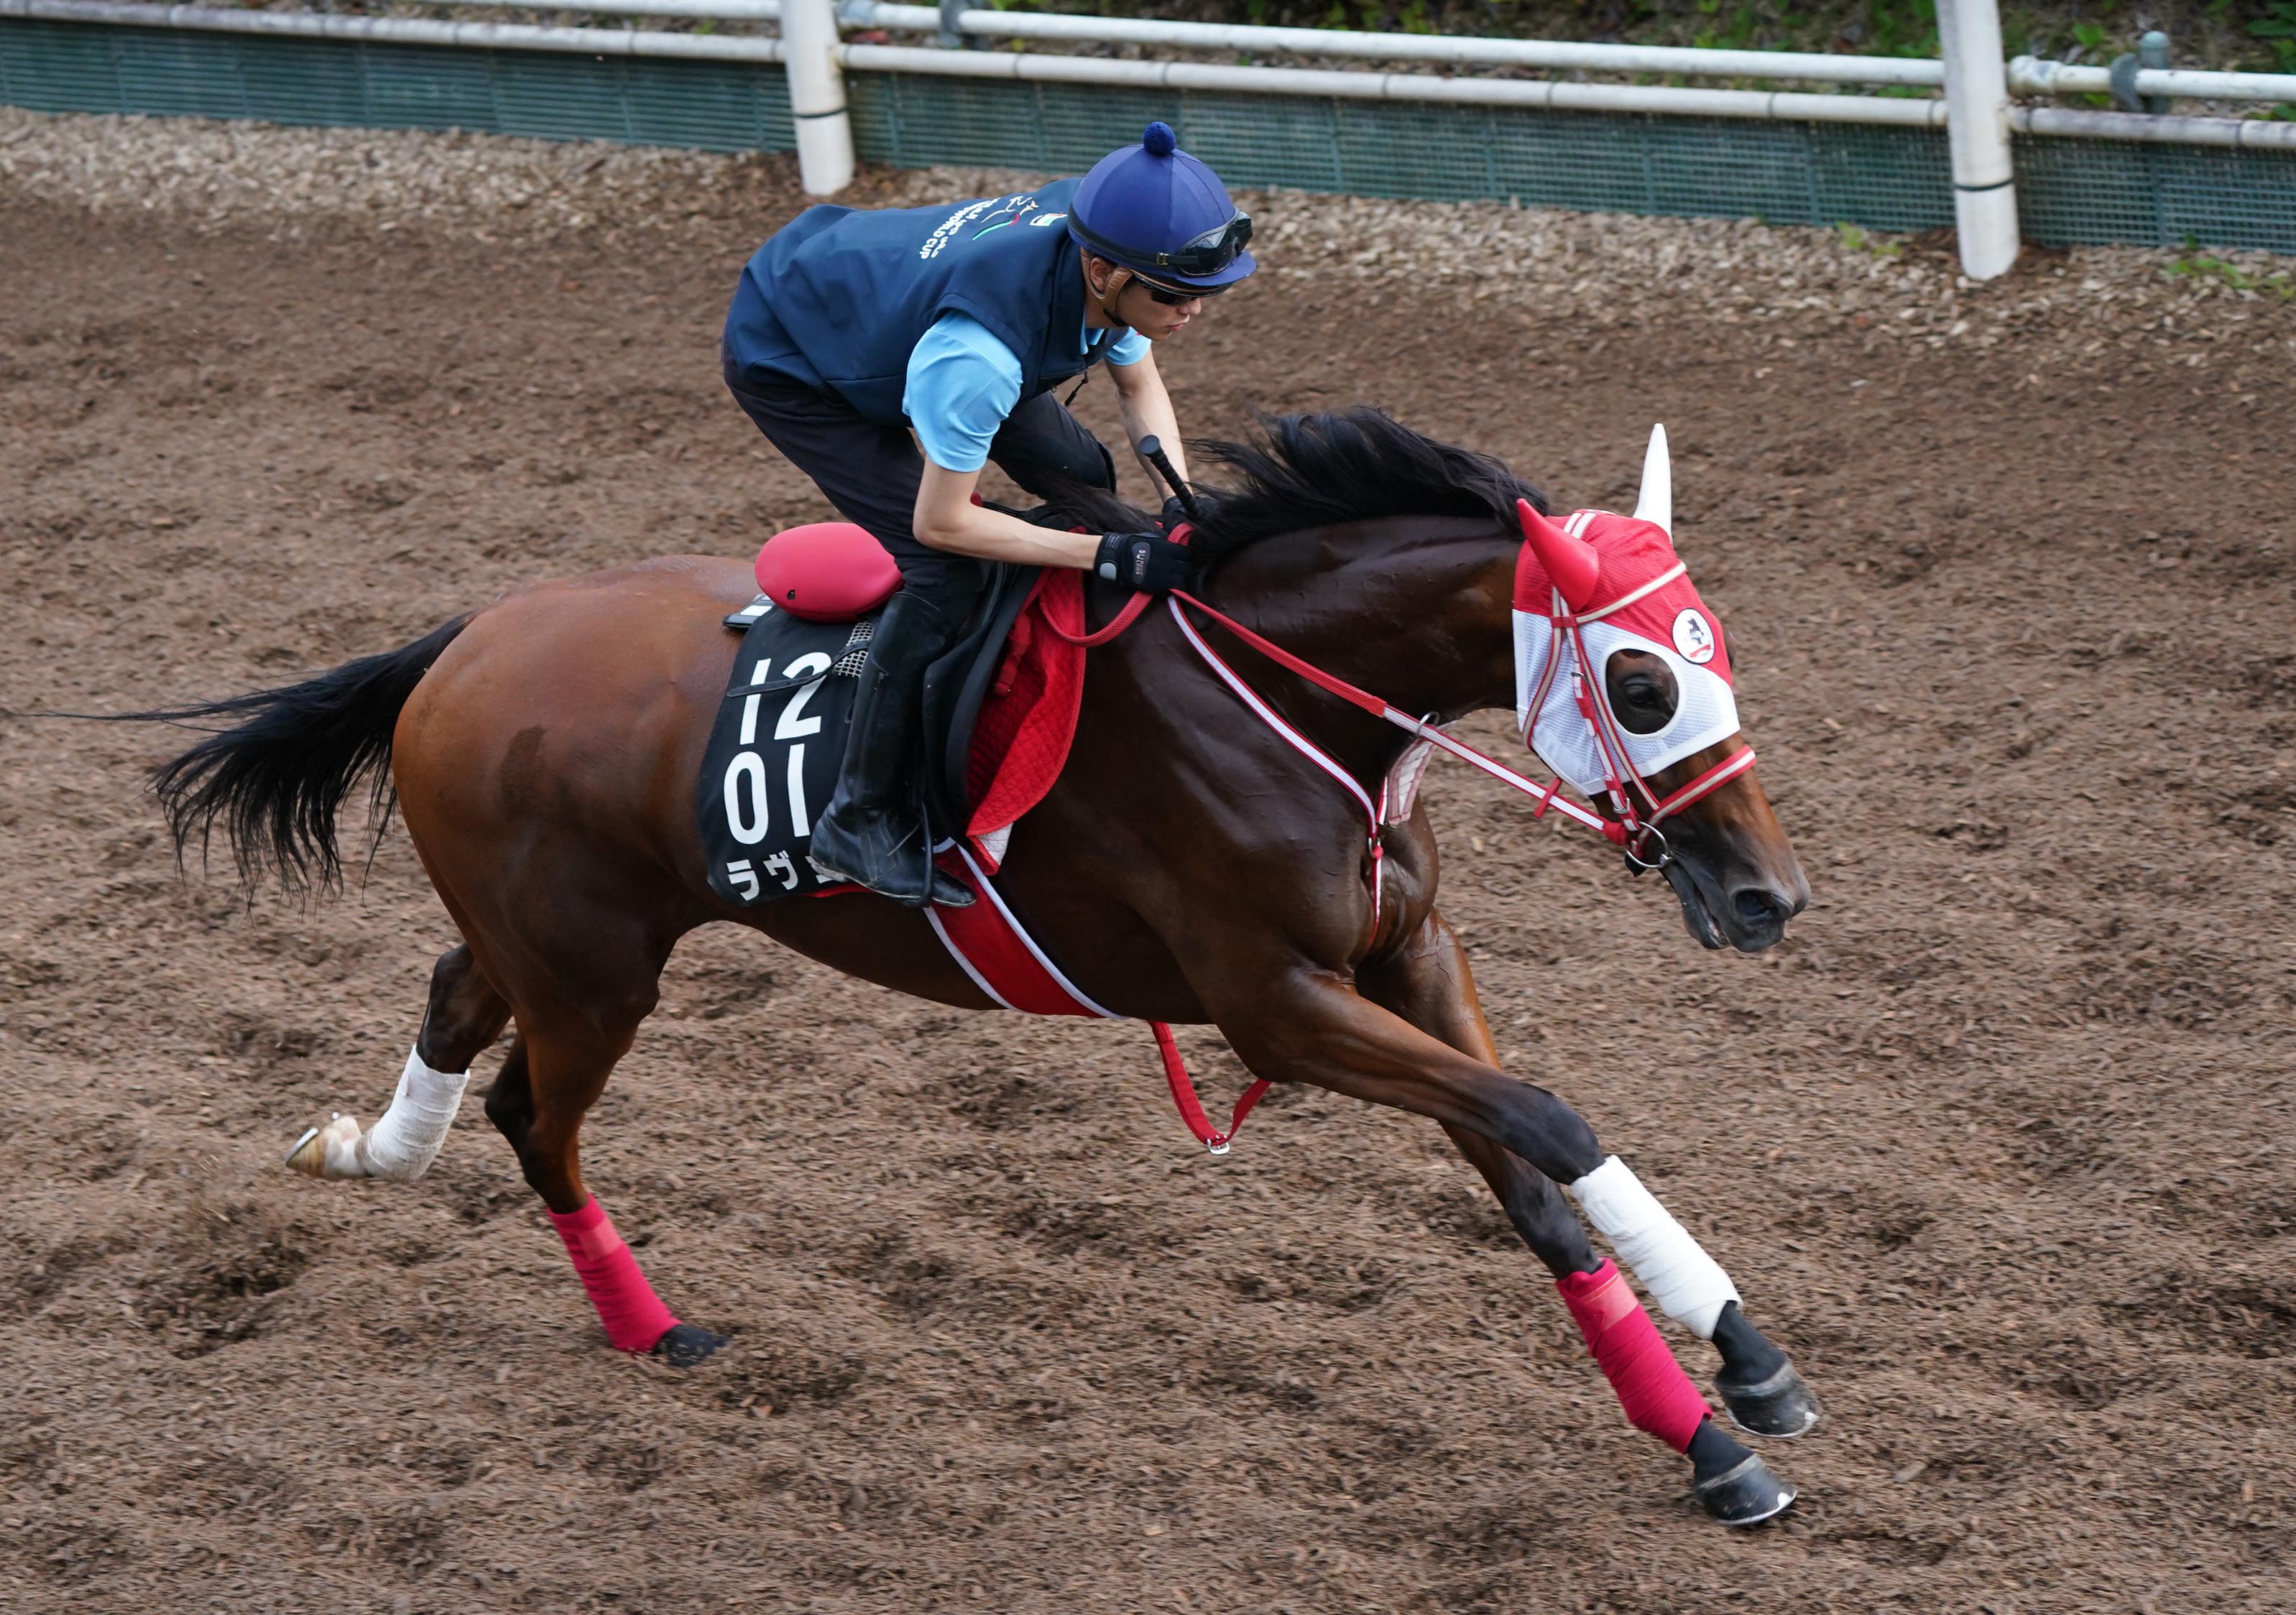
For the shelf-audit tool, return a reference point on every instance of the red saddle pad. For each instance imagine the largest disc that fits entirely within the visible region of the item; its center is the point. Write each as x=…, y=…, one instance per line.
x=1022, y=739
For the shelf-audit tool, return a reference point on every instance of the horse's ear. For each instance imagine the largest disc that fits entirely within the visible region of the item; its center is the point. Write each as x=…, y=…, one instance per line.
x=1657, y=502
x=1571, y=564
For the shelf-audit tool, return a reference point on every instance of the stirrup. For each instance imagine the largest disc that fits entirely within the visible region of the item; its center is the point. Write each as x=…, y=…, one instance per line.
x=942, y=888
x=945, y=890
x=939, y=888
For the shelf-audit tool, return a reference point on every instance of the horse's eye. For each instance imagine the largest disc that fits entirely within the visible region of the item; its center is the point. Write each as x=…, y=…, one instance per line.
x=1643, y=689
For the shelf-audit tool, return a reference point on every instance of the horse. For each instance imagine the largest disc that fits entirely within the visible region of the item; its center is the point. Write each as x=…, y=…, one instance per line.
x=1185, y=867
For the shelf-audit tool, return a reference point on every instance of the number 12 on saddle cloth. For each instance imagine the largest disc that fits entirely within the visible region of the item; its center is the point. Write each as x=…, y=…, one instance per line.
x=774, y=752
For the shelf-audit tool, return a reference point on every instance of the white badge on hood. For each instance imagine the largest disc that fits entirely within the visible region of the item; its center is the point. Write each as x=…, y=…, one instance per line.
x=1694, y=637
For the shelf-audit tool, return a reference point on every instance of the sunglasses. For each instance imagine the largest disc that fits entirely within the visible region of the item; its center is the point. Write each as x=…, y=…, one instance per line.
x=1172, y=297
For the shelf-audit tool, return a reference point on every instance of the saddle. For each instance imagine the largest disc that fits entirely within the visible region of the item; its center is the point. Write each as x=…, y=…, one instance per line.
x=1000, y=713
x=999, y=707
x=836, y=571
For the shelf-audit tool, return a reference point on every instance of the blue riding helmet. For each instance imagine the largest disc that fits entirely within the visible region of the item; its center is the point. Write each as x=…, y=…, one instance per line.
x=1164, y=216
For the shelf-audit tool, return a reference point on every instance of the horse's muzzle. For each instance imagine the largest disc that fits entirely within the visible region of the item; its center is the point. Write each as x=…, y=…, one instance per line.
x=1751, y=916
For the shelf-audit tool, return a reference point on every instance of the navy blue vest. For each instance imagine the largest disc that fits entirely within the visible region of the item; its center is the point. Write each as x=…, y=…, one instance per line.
x=840, y=297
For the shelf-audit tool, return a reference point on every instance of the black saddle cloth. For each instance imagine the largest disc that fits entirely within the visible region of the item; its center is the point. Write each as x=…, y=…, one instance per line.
x=778, y=741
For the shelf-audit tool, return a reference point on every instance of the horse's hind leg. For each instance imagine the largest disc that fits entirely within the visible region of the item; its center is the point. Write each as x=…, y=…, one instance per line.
x=555, y=1071
x=464, y=1016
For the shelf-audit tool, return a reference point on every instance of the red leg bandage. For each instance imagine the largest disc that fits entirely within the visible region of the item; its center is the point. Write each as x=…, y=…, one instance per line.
x=634, y=1318
x=1657, y=1395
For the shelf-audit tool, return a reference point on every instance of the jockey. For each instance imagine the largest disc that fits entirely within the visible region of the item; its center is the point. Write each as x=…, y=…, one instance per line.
x=851, y=329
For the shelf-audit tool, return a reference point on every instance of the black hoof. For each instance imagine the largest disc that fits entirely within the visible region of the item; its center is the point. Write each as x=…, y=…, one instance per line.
x=1745, y=1495
x=686, y=1344
x=1781, y=1405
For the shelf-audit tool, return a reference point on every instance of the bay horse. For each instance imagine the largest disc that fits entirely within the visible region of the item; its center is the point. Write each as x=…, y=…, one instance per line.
x=1185, y=867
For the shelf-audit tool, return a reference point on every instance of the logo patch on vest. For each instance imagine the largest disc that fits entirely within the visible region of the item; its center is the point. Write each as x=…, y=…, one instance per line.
x=1694, y=637
x=1019, y=202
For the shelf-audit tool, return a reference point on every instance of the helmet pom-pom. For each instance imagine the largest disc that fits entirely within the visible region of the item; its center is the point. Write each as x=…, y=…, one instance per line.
x=1158, y=139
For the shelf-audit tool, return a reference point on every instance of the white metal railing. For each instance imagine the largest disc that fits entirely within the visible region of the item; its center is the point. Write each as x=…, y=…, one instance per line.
x=1449, y=49
x=1975, y=108
x=1357, y=85
x=1977, y=137
x=2030, y=77
x=2027, y=75
x=1347, y=84
x=1048, y=69
x=408, y=31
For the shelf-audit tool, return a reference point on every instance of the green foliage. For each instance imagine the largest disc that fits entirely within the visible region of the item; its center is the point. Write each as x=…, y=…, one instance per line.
x=1863, y=240
x=2200, y=267
x=1900, y=28
x=1368, y=16
x=2277, y=29
x=2227, y=34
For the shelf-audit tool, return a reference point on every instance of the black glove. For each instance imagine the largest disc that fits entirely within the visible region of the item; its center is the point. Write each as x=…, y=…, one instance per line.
x=1148, y=562
x=1175, y=514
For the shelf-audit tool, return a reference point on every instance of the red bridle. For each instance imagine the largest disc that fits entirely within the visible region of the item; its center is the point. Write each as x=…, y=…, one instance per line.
x=1631, y=831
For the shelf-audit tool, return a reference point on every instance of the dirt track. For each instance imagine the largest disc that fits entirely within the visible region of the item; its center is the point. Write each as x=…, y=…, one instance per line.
x=1997, y=1144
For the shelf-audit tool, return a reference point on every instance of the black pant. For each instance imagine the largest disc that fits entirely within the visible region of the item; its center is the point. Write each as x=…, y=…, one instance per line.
x=871, y=472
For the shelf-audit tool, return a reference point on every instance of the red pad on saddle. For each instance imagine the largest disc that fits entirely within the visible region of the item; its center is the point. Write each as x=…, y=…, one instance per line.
x=835, y=571
x=826, y=571
x=1022, y=739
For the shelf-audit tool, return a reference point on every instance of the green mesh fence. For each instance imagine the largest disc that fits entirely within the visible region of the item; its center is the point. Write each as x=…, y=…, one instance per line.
x=61, y=67
x=2102, y=191
x=2069, y=191
x=1788, y=173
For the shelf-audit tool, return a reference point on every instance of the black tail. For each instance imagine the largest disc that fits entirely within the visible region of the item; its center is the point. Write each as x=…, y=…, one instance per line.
x=277, y=779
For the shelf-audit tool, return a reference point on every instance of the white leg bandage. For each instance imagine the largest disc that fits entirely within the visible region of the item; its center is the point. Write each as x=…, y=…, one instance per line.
x=408, y=1138
x=1689, y=1285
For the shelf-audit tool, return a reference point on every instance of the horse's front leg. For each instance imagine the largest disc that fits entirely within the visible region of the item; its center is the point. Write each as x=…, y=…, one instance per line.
x=1317, y=1029
x=1427, y=982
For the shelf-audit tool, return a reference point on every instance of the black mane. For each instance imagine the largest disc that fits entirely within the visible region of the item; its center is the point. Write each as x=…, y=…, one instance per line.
x=1320, y=470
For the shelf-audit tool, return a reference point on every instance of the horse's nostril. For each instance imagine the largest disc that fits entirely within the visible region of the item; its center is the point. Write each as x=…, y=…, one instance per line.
x=1756, y=907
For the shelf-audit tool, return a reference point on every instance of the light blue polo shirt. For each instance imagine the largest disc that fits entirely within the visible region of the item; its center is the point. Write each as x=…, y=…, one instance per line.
x=963, y=382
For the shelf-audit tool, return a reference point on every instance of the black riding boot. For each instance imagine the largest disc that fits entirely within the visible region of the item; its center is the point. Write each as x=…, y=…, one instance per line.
x=872, y=831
